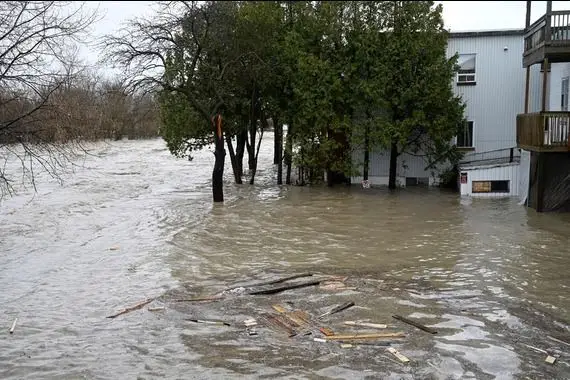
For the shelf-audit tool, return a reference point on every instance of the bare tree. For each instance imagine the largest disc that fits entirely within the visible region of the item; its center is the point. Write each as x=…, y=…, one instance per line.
x=34, y=39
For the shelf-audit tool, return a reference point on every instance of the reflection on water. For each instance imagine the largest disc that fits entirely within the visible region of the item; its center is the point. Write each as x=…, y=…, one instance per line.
x=488, y=274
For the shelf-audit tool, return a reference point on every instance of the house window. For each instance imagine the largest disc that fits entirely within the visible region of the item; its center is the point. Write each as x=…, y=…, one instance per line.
x=465, y=135
x=466, y=74
x=564, y=97
x=490, y=186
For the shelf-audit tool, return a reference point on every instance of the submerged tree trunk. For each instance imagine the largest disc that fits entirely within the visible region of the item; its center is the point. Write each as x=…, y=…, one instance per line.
x=289, y=153
x=335, y=177
x=220, y=154
x=366, y=153
x=233, y=159
x=275, y=142
x=393, y=165
x=240, y=150
x=254, y=170
x=279, y=142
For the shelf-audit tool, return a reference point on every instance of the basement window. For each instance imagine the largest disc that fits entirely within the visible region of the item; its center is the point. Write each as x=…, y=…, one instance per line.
x=491, y=186
x=466, y=74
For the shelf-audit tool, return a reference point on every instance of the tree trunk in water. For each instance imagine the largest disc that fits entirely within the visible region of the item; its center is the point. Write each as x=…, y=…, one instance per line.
x=279, y=139
x=289, y=153
x=233, y=159
x=240, y=150
x=251, y=147
x=393, y=165
x=335, y=177
x=366, y=154
x=263, y=127
x=275, y=142
x=220, y=154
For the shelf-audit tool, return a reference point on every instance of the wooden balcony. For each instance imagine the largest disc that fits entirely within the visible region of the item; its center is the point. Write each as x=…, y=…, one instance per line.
x=548, y=37
x=543, y=131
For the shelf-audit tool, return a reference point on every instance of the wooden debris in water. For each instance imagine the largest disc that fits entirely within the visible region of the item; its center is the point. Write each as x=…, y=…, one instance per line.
x=397, y=354
x=279, y=308
x=208, y=322
x=367, y=336
x=200, y=299
x=536, y=349
x=285, y=287
x=558, y=340
x=158, y=308
x=326, y=331
x=415, y=324
x=272, y=282
x=132, y=308
x=550, y=359
x=277, y=324
x=13, y=326
x=366, y=324
x=337, y=309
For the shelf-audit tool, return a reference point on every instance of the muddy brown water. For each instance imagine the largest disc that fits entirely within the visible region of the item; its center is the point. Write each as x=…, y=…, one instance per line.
x=489, y=275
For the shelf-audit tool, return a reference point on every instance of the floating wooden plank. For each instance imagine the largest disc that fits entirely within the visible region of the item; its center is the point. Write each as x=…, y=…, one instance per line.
x=415, y=324
x=326, y=331
x=337, y=309
x=279, y=308
x=132, y=308
x=550, y=359
x=200, y=299
x=536, y=349
x=13, y=326
x=272, y=282
x=397, y=354
x=366, y=324
x=285, y=287
x=367, y=336
x=277, y=323
x=382, y=343
x=558, y=340
x=208, y=322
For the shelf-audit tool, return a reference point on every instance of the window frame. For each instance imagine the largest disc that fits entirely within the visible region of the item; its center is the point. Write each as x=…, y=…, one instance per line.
x=469, y=124
x=466, y=74
x=490, y=186
x=564, y=90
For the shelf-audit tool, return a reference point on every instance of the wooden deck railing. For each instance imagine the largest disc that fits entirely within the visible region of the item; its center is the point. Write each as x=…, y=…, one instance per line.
x=548, y=30
x=544, y=130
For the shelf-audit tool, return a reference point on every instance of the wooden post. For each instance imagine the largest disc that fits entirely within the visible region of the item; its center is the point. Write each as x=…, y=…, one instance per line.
x=527, y=90
x=540, y=182
x=544, y=83
x=547, y=36
x=528, y=4
x=220, y=155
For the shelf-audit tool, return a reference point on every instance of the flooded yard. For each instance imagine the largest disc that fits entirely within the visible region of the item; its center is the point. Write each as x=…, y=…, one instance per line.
x=132, y=222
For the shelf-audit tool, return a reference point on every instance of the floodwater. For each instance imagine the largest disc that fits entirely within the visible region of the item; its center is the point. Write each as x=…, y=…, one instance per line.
x=133, y=222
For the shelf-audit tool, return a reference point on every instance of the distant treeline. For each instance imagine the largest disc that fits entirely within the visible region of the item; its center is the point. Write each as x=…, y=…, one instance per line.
x=84, y=107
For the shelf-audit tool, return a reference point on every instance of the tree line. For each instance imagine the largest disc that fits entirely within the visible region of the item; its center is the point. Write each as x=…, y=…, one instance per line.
x=343, y=76
x=342, y=79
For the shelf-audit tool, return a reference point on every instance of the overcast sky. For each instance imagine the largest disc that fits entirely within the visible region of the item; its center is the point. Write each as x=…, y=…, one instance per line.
x=458, y=15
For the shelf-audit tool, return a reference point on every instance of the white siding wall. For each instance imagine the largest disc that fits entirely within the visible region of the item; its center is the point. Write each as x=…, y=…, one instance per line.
x=494, y=102
x=498, y=173
x=558, y=71
x=379, y=168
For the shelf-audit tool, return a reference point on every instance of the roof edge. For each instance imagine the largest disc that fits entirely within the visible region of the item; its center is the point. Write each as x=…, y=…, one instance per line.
x=486, y=33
